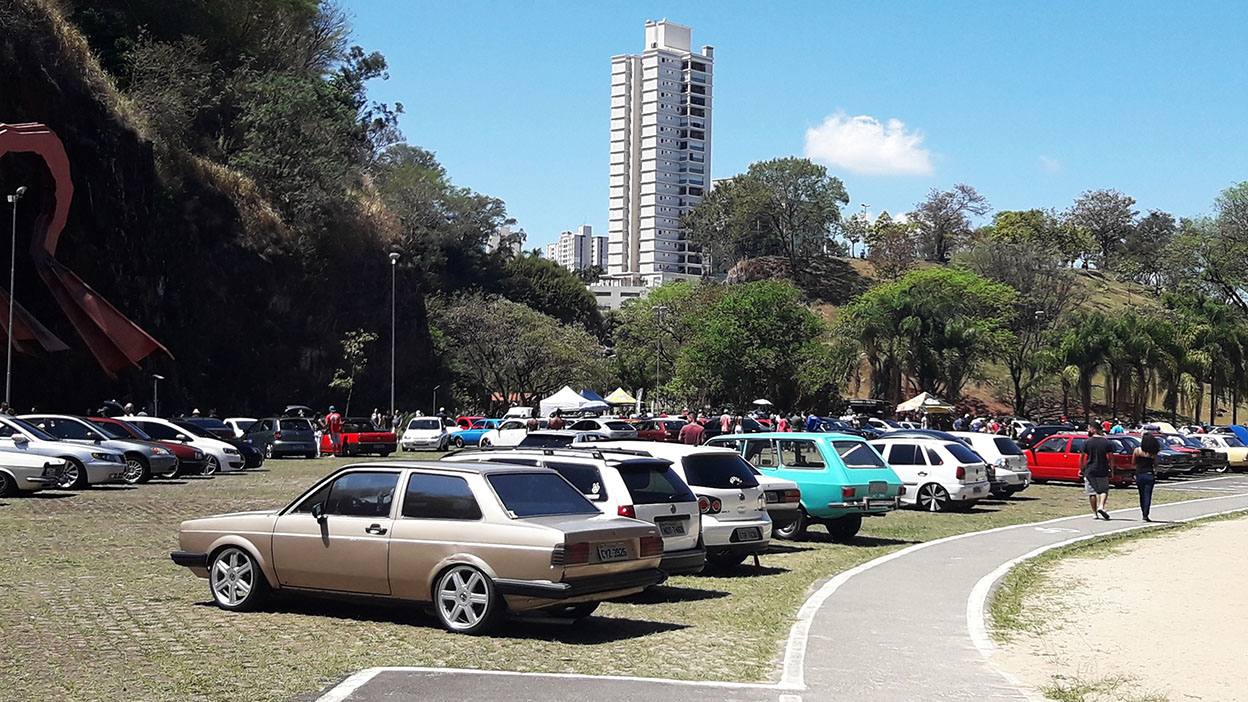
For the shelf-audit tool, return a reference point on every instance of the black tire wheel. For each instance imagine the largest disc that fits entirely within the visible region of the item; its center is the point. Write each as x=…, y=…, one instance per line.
x=465, y=600
x=459, y=442
x=795, y=530
x=726, y=559
x=1222, y=468
x=268, y=451
x=75, y=475
x=237, y=583
x=138, y=469
x=8, y=485
x=575, y=612
x=211, y=465
x=844, y=528
x=932, y=498
x=309, y=455
x=173, y=472
x=386, y=453
x=485, y=441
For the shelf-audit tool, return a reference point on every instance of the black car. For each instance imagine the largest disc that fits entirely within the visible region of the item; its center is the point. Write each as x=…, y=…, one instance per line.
x=1035, y=434
x=217, y=428
x=711, y=427
x=252, y=456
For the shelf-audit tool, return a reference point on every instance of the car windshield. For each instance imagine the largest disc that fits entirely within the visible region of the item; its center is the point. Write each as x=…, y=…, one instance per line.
x=194, y=430
x=111, y=430
x=426, y=424
x=546, y=440
x=962, y=454
x=654, y=482
x=718, y=470
x=618, y=426
x=209, y=423
x=296, y=425
x=1232, y=441
x=539, y=495
x=118, y=430
x=1006, y=447
x=1193, y=442
x=858, y=454
x=1172, y=441
x=33, y=430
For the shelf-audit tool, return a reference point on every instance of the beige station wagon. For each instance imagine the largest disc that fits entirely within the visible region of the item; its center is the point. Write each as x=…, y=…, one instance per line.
x=474, y=540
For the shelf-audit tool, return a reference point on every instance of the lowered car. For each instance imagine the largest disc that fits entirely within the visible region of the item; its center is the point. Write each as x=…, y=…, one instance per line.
x=938, y=475
x=471, y=436
x=1010, y=474
x=218, y=455
x=474, y=540
x=1230, y=446
x=84, y=465
x=1057, y=457
x=20, y=473
x=359, y=437
x=190, y=459
x=143, y=459
x=283, y=436
x=509, y=432
x=659, y=429
x=252, y=456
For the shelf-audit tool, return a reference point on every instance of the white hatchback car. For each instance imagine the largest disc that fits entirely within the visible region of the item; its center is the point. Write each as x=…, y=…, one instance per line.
x=1009, y=464
x=611, y=428
x=84, y=465
x=623, y=484
x=735, y=524
x=21, y=473
x=218, y=455
x=425, y=433
x=240, y=425
x=938, y=475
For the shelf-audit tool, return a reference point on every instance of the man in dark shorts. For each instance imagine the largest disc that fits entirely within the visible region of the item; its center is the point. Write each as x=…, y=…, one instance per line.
x=1094, y=467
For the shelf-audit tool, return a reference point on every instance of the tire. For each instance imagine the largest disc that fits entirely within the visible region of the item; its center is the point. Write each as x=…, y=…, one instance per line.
x=932, y=498
x=8, y=485
x=844, y=528
x=459, y=442
x=575, y=612
x=795, y=530
x=75, y=475
x=211, y=465
x=466, y=601
x=386, y=453
x=138, y=470
x=726, y=559
x=236, y=581
x=309, y=455
x=1222, y=468
x=172, y=472
x=268, y=451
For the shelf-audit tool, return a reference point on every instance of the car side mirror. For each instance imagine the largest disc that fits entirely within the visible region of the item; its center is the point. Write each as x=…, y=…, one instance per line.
x=182, y=437
x=318, y=511
x=20, y=439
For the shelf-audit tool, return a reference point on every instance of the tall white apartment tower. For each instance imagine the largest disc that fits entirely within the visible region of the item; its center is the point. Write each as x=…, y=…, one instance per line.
x=660, y=154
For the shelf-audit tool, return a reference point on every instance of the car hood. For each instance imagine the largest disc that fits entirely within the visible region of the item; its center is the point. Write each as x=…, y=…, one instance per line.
x=259, y=520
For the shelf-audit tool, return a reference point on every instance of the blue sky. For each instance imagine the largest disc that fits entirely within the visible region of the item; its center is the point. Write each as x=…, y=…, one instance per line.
x=1030, y=103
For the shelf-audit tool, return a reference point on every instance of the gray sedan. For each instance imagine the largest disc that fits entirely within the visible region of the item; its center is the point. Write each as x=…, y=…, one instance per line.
x=143, y=459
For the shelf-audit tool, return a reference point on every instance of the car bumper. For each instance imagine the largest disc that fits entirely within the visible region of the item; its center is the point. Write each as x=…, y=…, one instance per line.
x=684, y=562
x=100, y=472
x=969, y=491
x=579, y=587
x=415, y=444
x=162, y=464
x=865, y=506
x=717, y=535
x=285, y=448
x=190, y=559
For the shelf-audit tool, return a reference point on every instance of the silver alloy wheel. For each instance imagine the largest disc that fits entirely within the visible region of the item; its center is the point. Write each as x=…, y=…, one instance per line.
x=69, y=476
x=459, y=442
x=463, y=597
x=1222, y=468
x=134, y=471
x=933, y=498
x=268, y=450
x=8, y=486
x=233, y=576
x=212, y=466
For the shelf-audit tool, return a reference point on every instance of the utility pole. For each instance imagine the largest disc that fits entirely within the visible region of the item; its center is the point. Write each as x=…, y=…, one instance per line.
x=658, y=323
x=8, y=366
x=394, y=262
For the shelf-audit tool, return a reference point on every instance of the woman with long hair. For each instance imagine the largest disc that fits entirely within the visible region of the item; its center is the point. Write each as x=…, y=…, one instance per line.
x=1146, y=471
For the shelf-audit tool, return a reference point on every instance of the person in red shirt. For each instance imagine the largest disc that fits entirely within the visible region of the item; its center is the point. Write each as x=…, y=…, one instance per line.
x=333, y=427
x=1106, y=426
x=692, y=432
x=782, y=424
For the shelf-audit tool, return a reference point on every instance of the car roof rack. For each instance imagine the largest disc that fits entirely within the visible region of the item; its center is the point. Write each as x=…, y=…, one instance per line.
x=594, y=451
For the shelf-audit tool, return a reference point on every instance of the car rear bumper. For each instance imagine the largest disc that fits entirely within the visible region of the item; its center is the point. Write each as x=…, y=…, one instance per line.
x=684, y=562
x=717, y=534
x=969, y=491
x=282, y=448
x=544, y=589
x=412, y=444
x=867, y=505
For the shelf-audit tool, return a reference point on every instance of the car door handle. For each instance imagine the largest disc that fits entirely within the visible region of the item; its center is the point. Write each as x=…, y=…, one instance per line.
x=375, y=529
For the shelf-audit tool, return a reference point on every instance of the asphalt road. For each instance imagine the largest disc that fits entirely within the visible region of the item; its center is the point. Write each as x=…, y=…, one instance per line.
x=906, y=626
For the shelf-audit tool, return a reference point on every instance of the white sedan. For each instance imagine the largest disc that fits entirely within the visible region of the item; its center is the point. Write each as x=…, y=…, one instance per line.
x=20, y=473
x=218, y=455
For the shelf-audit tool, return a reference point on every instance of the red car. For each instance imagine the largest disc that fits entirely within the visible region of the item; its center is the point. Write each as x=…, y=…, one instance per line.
x=190, y=459
x=1057, y=458
x=467, y=422
x=661, y=429
x=359, y=437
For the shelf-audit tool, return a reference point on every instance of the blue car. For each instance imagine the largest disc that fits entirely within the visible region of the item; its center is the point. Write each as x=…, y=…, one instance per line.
x=472, y=436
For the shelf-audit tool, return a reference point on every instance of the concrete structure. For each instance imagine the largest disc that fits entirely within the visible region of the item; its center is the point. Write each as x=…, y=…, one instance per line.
x=505, y=237
x=612, y=293
x=579, y=249
x=661, y=104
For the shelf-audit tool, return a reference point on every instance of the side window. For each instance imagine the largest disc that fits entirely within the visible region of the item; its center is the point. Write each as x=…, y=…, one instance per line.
x=800, y=453
x=6, y=431
x=315, y=498
x=439, y=497
x=511, y=425
x=584, y=425
x=362, y=495
x=158, y=431
x=905, y=455
x=1076, y=445
x=586, y=478
x=760, y=452
x=1053, y=445
x=933, y=458
x=266, y=425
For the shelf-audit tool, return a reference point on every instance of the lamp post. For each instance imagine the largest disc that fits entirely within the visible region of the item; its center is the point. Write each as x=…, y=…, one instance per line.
x=658, y=320
x=155, y=396
x=8, y=365
x=394, y=264
x=433, y=409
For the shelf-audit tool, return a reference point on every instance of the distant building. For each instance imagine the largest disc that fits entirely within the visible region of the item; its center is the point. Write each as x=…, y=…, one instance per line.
x=611, y=294
x=505, y=238
x=660, y=155
x=579, y=249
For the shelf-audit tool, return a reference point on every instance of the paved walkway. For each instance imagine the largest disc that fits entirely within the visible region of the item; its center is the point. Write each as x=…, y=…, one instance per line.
x=905, y=626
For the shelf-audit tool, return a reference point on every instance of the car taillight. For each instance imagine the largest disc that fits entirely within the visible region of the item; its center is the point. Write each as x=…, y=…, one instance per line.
x=901, y=490
x=848, y=492
x=651, y=546
x=277, y=435
x=792, y=496
x=709, y=505
x=961, y=472
x=571, y=554
x=627, y=511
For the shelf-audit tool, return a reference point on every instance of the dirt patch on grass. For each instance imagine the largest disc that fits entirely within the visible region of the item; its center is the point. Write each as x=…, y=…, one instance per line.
x=1154, y=619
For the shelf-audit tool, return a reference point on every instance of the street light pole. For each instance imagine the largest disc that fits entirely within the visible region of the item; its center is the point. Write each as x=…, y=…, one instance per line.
x=155, y=396
x=658, y=320
x=8, y=366
x=433, y=409
x=394, y=262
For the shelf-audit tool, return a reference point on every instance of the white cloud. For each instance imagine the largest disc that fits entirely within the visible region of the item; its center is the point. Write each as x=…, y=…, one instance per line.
x=863, y=145
x=1050, y=164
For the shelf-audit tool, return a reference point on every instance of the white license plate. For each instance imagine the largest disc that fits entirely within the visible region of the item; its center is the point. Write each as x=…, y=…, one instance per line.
x=615, y=551
x=748, y=534
x=877, y=487
x=671, y=528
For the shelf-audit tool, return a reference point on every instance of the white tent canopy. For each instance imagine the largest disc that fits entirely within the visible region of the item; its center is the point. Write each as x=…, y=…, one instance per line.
x=925, y=402
x=569, y=400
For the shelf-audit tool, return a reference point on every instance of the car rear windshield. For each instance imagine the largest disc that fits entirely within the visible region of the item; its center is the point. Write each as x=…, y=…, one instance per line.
x=425, y=424
x=962, y=454
x=539, y=495
x=654, y=482
x=618, y=426
x=296, y=425
x=1006, y=446
x=858, y=454
x=358, y=427
x=547, y=440
x=585, y=477
x=719, y=470
x=1233, y=442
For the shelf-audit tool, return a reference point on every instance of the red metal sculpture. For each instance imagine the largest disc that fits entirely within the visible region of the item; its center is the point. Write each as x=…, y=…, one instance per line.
x=112, y=338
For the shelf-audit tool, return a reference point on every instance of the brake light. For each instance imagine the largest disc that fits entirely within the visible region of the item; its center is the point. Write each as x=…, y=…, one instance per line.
x=277, y=435
x=901, y=490
x=709, y=505
x=792, y=495
x=570, y=554
x=848, y=492
x=651, y=546
x=627, y=511
x=961, y=472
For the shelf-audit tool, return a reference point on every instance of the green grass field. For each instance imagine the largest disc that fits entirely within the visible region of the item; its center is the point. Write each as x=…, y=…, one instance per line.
x=94, y=609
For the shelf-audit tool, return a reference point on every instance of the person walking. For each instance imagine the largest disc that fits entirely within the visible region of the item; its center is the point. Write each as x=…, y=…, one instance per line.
x=1146, y=471
x=691, y=433
x=782, y=424
x=1094, y=467
x=333, y=427
x=738, y=427
x=725, y=422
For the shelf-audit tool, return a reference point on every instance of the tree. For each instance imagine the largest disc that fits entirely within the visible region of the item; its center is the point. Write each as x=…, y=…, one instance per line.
x=1045, y=293
x=1041, y=229
x=1143, y=248
x=894, y=247
x=855, y=229
x=786, y=207
x=355, y=356
x=589, y=274
x=1107, y=216
x=943, y=220
x=935, y=326
x=550, y=289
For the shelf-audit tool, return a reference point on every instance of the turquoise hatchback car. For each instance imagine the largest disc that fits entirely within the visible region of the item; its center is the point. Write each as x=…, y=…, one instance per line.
x=841, y=477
